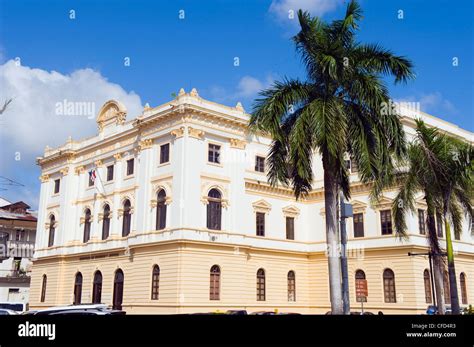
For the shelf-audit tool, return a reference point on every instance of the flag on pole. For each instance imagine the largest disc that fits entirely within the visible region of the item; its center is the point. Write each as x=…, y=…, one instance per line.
x=92, y=175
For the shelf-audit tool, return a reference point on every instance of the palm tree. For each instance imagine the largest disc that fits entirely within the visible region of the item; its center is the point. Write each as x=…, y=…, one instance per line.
x=336, y=110
x=441, y=167
x=416, y=175
x=455, y=184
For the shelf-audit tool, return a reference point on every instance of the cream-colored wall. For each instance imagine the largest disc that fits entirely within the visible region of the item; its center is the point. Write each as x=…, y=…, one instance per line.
x=184, y=279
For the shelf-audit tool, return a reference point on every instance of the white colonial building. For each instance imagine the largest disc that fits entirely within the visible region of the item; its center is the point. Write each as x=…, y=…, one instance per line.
x=181, y=218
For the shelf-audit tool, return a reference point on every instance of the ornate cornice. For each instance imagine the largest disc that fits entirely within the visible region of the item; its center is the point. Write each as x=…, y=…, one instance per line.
x=177, y=132
x=236, y=143
x=196, y=133
x=44, y=178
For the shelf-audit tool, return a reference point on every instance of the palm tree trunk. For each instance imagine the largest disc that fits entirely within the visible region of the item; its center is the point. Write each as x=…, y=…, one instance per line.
x=453, y=288
x=438, y=265
x=332, y=240
x=439, y=287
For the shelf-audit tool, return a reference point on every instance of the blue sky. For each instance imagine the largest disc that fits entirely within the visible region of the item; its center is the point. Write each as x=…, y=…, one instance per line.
x=167, y=53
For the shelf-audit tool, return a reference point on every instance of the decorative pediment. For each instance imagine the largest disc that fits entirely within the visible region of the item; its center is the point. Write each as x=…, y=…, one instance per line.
x=358, y=206
x=112, y=112
x=384, y=203
x=291, y=211
x=262, y=206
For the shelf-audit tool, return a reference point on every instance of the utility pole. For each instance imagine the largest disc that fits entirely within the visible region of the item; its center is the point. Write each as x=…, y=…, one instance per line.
x=345, y=212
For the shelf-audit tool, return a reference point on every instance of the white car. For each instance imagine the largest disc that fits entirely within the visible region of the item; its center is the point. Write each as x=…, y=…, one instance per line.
x=7, y=312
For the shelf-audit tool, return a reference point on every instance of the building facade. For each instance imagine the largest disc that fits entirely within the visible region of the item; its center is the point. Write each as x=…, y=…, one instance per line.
x=171, y=212
x=17, y=245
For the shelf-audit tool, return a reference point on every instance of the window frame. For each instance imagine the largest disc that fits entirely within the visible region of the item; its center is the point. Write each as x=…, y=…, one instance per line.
x=43, y=288
x=215, y=283
x=212, y=158
x=110, y=172
x=291, y=286
x=161, y=210
x=290, y=227
x=421, y=221
x=427, y=286
x=260, y=166
x=386, y=224
x=126, y=218
x=358, y=221
x=97, y=287
x=57, y=186
x=106, y=222
x=214, y=205
x=155, y=282
x=389, y=287
x=77, y=288
x=87, y=225
x=129, y=167
x=260, y=223
x=261, y=285
x=161, y=160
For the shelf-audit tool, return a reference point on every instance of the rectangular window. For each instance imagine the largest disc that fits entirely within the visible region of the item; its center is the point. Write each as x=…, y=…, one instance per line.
x=130, y=164
x=439, y=226
x=20, y=235
x=110, y=173
x=164, y=153
x=56, y=186
x=214, y=154
x=290, y=228
x=91, y=182
x=421, y=222
x=386, y=222
x=358, y=221
x=260, y=221
x=259, y=164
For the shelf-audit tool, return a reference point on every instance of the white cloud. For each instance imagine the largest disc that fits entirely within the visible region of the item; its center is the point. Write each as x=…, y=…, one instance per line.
x=281, y=8
x=31, y=122
x=433, y=103
x=246, y=90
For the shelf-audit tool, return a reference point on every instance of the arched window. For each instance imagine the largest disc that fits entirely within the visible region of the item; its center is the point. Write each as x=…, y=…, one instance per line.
x=77, y=289
x=43, y=288
x=97, y=288
x=261, y=285
x=389, y=286
x=427, y=281
x=106, y=222
x=161, y=210
x=359, y=282
x=87, y=225
x=155, y=283
x=447, y=290
x=127, y=218
x=215, y=283
x=462, y=282
x=291, y=281
x=118, y=290
x=52, y=228
x=214, y=210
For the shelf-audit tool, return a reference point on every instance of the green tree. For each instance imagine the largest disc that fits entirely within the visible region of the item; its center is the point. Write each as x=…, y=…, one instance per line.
x=336, y=110
x=441, y=167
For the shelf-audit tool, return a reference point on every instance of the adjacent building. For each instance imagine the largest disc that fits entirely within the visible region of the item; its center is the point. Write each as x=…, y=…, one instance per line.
x=171, y=212
x=17, y=244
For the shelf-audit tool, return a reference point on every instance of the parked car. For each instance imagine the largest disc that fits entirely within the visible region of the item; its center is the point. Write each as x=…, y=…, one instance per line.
x=432, y=310
x=237, y=312
x=94, y=309
x=90, y=312
x=264, y=313
x=6, y=312
x=14, y=306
